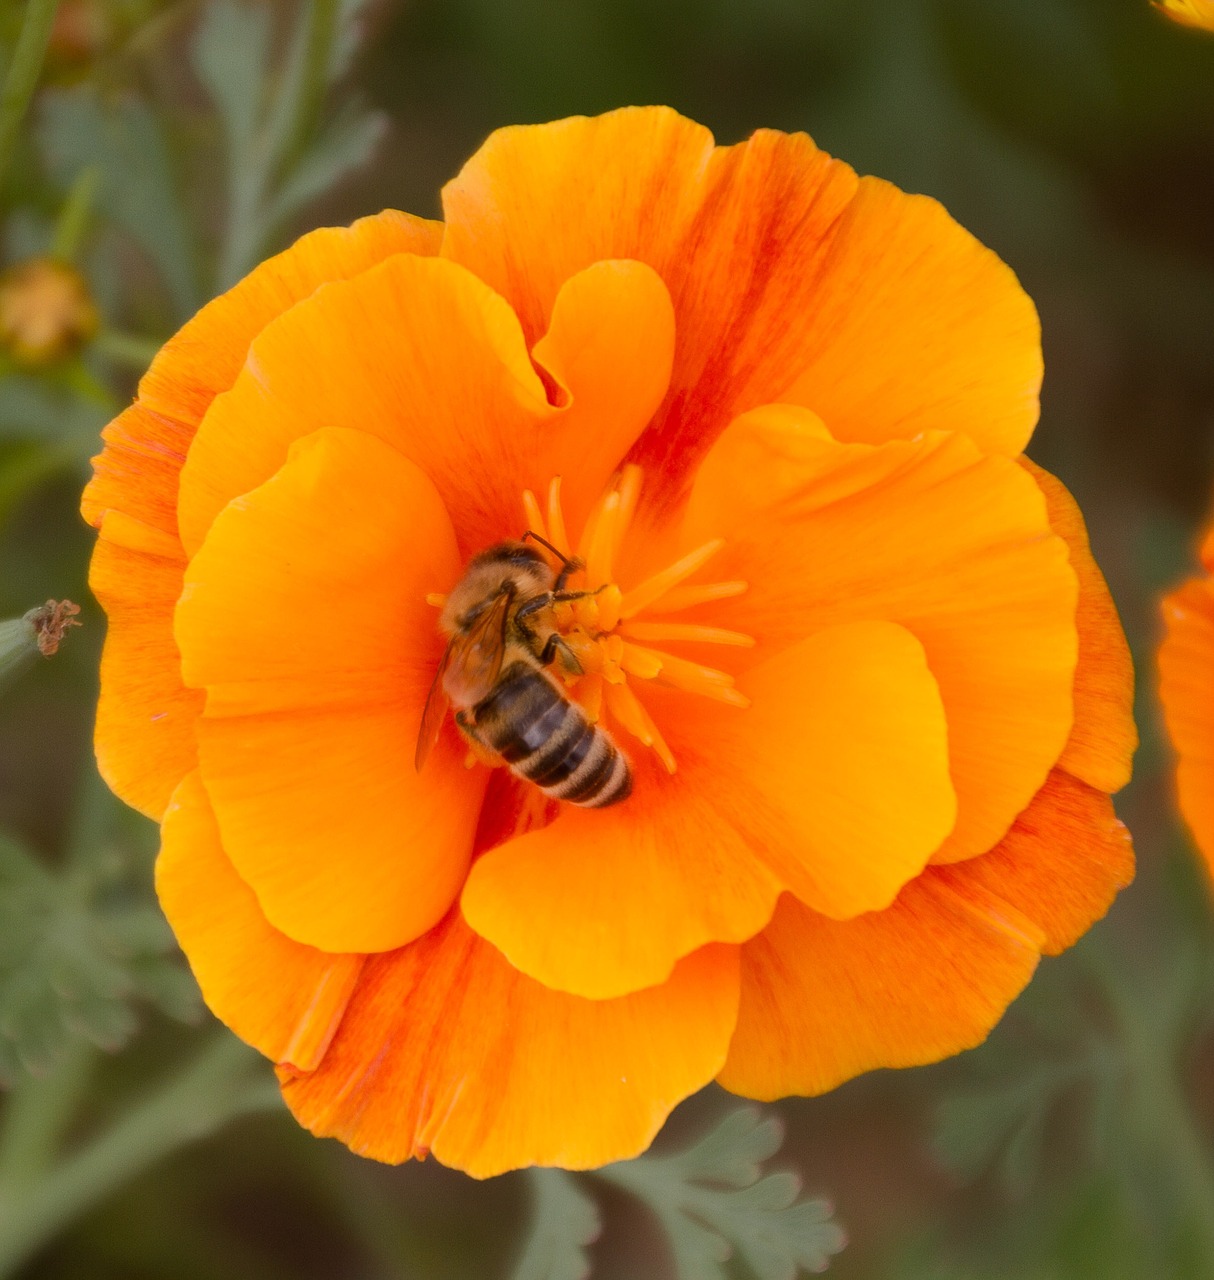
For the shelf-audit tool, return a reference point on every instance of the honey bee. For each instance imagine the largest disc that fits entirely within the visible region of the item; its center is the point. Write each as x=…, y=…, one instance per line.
x=495, y=672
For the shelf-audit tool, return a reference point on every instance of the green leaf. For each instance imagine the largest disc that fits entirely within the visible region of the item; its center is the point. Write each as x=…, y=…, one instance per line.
x=76, y=956
x=230, y=54
x=713, y=1201
x=137, y=191
x=566, y=1220
x=347, y=144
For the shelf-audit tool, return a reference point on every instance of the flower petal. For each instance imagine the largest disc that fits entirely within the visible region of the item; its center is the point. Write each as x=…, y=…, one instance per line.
x=1186, y=688
x=825, y=1000
x=304, y=617
x=446, y=1048
x=283, y=998
x=1103, y=737
x=931, y=534
x=419, y=353
x=835, y=780
x=1062, y=863
x=610, y=345
x=145, y=716
x=791, y=278
x=146, y=446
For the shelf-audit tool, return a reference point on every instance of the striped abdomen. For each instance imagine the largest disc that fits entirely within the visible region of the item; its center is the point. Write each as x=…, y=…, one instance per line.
x=546, y=739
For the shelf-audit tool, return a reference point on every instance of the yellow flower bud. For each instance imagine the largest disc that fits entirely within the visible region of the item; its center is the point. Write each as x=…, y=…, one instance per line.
x=46, y=311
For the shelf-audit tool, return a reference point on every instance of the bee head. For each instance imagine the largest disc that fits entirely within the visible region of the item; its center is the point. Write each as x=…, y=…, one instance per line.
x=506, y=566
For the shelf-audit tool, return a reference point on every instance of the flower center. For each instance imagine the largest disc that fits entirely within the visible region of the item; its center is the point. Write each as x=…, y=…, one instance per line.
x=612, y=631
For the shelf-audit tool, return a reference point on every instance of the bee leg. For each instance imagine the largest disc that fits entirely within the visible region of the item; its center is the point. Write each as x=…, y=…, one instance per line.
x=569, y=568
x=556, y=643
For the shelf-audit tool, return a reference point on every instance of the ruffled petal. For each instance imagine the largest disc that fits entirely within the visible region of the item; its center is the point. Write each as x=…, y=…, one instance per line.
x=931, y=534
x=1104, y=737
x=447, y=1049
x=1063, y=862
x=145, y=738
x=145, y=732
x=1186, y=688
x=420, y=354
x=833, y=782
x=283, y=998
x=791, y=279
x=146, y=445
x=825, y=1000
x=304, y=617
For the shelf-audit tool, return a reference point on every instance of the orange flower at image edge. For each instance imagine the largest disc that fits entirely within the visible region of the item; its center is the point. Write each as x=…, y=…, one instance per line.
x=1186, y=687
x=869, y=682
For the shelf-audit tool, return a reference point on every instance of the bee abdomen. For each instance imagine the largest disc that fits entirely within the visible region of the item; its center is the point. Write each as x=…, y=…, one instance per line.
x=546, y=739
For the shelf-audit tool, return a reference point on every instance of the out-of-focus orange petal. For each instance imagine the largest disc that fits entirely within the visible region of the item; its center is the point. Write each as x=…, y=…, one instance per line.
x=446, y=1048
x=1186, y=688
x=791, y=278
x=1103, y=738
x=421, y=354
x=835, y=778
x=285, y=999
x=824, y=1000
x=1062, y=863
x=304, y=617
x=145, y=717
x=146, y=446
x=931, y=534
x=1189, y=13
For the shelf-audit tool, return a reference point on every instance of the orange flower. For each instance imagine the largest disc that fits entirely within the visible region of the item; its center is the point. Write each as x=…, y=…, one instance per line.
x=1186, y=687
x=871, y=684
x=1189, y=13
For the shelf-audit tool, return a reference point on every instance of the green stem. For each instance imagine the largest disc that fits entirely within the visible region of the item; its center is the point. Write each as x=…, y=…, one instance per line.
x=219, y=1085
x=36, y=1115
x=130, y=349
x=73, y=218
x=23, y=73
x=318, y=55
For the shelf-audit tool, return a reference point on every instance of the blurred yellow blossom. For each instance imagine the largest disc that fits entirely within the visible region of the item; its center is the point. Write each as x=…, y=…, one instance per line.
x=1189, y=13
x=46, y=311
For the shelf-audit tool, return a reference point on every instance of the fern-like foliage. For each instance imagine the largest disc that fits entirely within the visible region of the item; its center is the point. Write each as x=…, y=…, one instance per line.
x=712, y=1201
x=77, y=954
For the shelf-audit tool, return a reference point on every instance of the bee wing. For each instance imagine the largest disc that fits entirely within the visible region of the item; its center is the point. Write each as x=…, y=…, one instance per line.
x=433, y=715
x=469, y=669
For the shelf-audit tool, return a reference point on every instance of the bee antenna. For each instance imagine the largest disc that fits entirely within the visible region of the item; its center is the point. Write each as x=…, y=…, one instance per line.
x=565, y=560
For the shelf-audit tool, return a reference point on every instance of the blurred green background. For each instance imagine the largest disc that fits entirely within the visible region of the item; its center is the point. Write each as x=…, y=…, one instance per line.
x=1075, y=137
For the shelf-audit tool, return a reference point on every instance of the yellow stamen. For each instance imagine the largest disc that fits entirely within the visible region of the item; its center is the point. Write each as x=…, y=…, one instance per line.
x=608, y=603
x=590, y=695
x=535, y=519
x=599, y=539
x=645, y=664
x=627, y=709
x=601, y=626
x=688, y=597
x=691, y=677
x=558, y=535
x=653, y=589
x=688, y=631
x=437, y=599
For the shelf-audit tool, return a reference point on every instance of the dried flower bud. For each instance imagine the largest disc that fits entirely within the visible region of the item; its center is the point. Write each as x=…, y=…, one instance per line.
x=50, y=621
x=80, y=32
x=46, y=311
